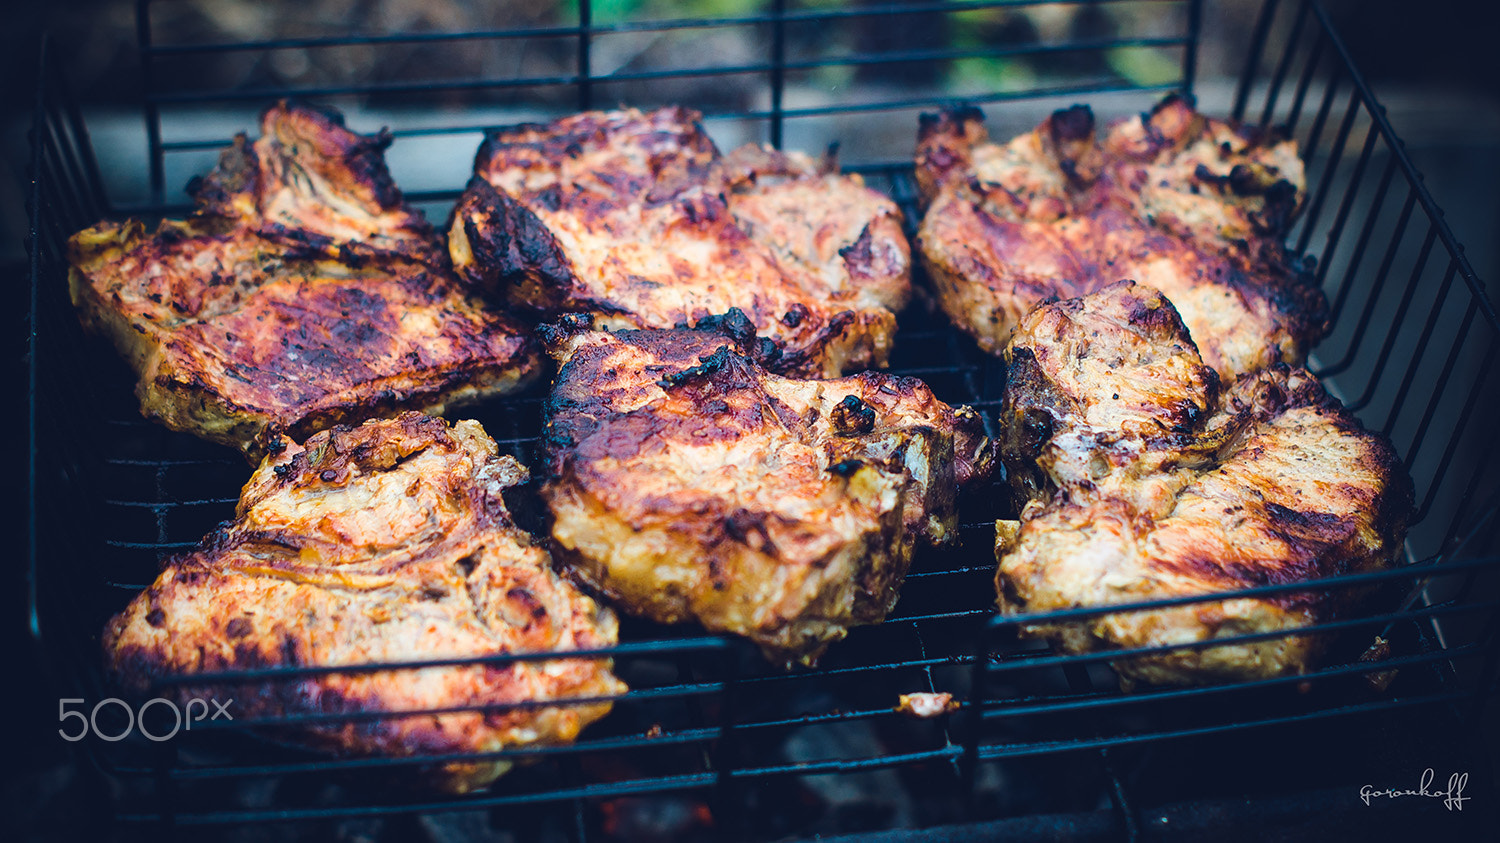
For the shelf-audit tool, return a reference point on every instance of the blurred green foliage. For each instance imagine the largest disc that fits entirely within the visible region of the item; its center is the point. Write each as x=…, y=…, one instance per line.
x=613, y=11
x=1144, y=65
x=975, y=29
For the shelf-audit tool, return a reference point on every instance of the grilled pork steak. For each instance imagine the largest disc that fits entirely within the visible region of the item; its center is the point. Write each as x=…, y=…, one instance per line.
x=302, y=293
x=689, y=484
x=636, y=219
x=1145, y=480
x=387, y=542
x=1196, y=208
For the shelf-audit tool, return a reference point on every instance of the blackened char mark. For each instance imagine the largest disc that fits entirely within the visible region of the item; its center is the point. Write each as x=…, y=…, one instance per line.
x=945, y=142
x=1071, y=131
x=749, y=529
x=852, y=416
x=735, y=325
x=705, y=370
x=556, y=335
x=1280, y=208
x=1169, y=101
x=1072, y=124
x=931, y=123
x=511, y=247
x=846, y=468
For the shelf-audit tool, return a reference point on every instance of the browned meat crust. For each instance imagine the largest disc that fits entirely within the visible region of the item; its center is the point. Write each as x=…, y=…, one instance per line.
x=1192, y=206
x=387, y=542
x=242, y=327
x=1146, y=481
x=635, y=218
x=688, y=483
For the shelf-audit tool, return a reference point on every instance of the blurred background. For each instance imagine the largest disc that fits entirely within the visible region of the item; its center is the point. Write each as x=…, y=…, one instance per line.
x=1432, y=64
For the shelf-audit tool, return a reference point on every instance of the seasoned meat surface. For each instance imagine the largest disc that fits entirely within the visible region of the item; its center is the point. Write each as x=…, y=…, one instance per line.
x=1145, y=480
x=1194, y=207
x=637, y=219
x=688, y=483
x=387, y=542
x=819, y=222
x=242, y=327
x=1097, y=387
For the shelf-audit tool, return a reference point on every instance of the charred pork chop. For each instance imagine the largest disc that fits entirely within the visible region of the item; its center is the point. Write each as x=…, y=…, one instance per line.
x=303, y=292
x=636, y=219
x=1196, y=208
x=387, y=542
x=1147, y=481
x=688, y=483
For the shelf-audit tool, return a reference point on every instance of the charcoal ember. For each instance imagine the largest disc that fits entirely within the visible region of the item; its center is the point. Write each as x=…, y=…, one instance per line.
x=657, y=819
